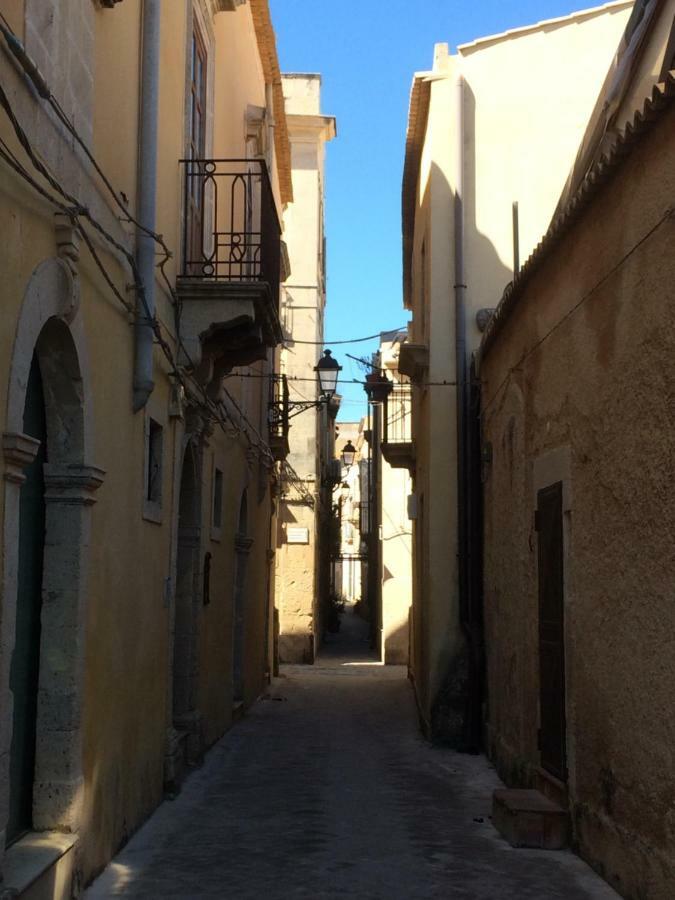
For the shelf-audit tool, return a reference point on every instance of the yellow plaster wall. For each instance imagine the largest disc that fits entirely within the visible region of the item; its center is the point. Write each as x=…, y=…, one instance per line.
x=127, y=632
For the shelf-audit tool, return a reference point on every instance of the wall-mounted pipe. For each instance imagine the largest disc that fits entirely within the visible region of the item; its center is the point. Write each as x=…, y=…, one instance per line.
x=147, y=202
x=460, y=347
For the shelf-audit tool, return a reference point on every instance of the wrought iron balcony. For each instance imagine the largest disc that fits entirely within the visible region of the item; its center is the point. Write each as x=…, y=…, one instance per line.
x=397, y=442
x=231, y=264
x=278, y=418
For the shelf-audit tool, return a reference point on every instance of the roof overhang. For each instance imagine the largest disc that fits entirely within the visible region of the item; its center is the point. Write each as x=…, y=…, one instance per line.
x=267, y=47
x=418, y=115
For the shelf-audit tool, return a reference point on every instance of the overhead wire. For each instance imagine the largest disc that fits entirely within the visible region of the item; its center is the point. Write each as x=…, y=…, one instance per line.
x=359, y=340
x=75, y=210
x=668, y=214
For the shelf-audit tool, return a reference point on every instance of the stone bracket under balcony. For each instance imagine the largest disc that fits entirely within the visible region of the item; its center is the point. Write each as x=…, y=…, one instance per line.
x=413, y=360
x=225, y=324
x=399, y=454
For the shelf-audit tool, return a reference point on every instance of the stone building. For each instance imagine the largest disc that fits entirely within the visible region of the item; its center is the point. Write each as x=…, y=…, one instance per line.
x=577, y=386
x=144, y=170
x=305, y=502
x=398, y=460
x=492, y=132
x=346, y=574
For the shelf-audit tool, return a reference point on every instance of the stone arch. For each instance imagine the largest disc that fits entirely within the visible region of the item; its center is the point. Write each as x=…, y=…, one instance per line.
x=50, y=329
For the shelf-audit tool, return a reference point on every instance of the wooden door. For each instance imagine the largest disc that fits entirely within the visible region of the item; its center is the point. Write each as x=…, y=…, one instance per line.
x=552, y=733
x=25, y=665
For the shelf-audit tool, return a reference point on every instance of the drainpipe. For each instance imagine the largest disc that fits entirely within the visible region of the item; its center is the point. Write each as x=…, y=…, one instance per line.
x=468, y=505
x=460, y=347
x=147, y=196
x=461, y=390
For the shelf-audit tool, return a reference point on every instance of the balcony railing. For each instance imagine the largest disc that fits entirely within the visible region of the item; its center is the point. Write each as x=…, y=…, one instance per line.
x=278, y=420
x=231, y=229
x=398, y=418
x=397, y=442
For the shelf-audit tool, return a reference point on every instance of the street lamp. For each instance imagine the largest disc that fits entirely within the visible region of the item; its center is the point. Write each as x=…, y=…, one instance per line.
x=327, y=370
x=348, y=454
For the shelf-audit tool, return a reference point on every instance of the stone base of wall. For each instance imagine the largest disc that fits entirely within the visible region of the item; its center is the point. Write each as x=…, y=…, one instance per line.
x=621, y=857
x=296, y=649
x=513, y=769
x=449, y=707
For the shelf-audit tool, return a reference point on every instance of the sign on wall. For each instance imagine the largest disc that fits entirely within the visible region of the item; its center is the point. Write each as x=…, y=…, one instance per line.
x=297, y=535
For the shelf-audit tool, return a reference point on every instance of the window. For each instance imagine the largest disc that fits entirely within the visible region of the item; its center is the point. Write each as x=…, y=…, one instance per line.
x=152, y=486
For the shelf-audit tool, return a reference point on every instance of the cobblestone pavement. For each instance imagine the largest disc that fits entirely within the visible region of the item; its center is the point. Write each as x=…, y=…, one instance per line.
x=327, y=790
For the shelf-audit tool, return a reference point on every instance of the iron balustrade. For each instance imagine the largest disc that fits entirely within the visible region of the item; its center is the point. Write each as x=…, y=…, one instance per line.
x=231, y=228
x=279, y=408
x=398, y=416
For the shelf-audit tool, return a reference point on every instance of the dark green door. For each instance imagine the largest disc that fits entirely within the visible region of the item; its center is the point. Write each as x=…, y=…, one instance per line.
x=24, y=672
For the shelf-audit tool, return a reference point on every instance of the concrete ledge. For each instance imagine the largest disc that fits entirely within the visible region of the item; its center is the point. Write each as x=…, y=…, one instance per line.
x=39, y=866
x=527, y=818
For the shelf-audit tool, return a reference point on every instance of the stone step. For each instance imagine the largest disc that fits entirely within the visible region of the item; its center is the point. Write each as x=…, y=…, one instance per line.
x=551, y=787
x=526, y=818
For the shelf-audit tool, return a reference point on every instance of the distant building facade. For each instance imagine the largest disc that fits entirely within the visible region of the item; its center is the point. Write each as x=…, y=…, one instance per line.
x=304, y=491
x=398, y=461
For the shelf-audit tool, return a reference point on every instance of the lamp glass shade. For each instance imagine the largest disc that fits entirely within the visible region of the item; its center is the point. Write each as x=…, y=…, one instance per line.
x=327, y=370
x=348, y=454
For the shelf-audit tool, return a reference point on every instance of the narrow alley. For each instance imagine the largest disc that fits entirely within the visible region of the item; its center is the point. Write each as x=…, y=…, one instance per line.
x=327, y=789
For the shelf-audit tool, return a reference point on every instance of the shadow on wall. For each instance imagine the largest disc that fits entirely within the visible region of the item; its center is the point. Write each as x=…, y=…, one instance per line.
x=396, y=646
x=449, y=671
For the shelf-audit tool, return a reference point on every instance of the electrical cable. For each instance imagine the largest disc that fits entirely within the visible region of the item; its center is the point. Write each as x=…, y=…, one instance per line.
x=31, y=70
x=73, y=212
x=668, y=214
x=359, y=340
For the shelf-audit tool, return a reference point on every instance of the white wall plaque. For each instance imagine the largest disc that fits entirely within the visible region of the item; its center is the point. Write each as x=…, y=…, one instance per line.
x=297, y=535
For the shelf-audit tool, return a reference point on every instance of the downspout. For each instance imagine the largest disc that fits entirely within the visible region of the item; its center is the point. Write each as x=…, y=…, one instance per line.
x=147, y=197
x=468, y=505
x=460, y=348
x=461, y=401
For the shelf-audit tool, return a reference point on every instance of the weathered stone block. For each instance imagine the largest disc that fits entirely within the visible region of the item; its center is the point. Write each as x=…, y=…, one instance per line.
x=527, y=818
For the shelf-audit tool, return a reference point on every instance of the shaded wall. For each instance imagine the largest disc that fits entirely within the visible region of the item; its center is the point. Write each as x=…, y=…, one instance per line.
x=579, y=388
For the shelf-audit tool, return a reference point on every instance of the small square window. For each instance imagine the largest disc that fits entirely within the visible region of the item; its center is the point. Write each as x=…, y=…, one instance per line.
x=217, y=499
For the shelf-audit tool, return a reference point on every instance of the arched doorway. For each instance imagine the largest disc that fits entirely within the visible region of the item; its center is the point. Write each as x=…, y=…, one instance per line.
x=242, y=550
x=25, y=665
x=49, y=491
x=186, y=721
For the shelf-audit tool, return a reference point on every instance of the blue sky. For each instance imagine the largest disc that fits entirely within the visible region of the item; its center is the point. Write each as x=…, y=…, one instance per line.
x=367, y=53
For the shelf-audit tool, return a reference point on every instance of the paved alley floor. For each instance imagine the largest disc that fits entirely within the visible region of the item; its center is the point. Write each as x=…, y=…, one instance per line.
x=326, y=790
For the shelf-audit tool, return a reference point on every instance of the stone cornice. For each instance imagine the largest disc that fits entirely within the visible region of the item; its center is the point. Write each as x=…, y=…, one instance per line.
x=19, y=451
x=217, y=6
x=72, y=484
x=312, y=125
